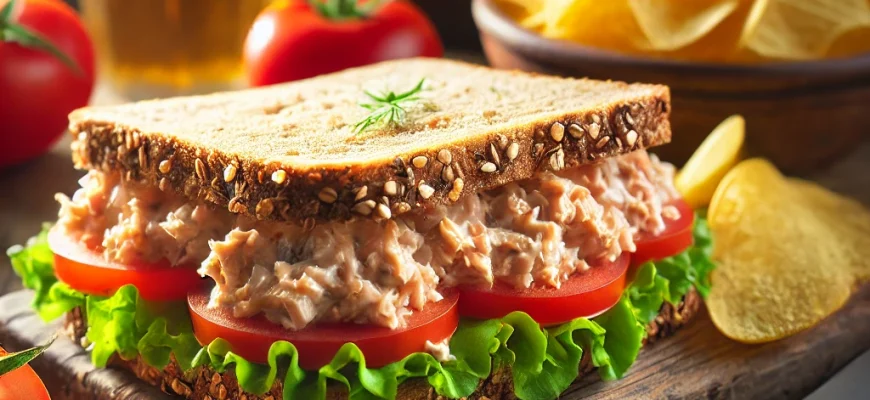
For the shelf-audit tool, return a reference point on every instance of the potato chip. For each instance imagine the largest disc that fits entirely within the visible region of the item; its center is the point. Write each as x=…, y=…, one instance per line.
x=856, y=41
x=697, y=180
x=519, y=10
x=531, y=6
x=742, y=31
x=803, y=29
x=753, y=18
x=850, y=222
x=788, y=253
x=721, y=43
x=605, y=24
x=673, y=24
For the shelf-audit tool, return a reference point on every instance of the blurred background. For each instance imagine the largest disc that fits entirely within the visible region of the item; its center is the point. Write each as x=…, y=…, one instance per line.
x=159, y=48
x=768, y=60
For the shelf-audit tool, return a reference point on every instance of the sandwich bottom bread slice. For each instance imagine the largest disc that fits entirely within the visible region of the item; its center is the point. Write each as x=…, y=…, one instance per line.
x=502, y=235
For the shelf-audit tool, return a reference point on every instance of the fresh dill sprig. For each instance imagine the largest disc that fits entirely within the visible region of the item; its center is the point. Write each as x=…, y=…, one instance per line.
x=387, y=108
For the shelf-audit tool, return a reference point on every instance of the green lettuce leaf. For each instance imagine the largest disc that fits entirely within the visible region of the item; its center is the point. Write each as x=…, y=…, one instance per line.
x=701, y=255
x=623, y=337
x=34, y=263
x=347, y=367
x=129, y=325
x=648, y=292
x=668, y=280
x=543, y=362
x=112, y=325
x=474, y=344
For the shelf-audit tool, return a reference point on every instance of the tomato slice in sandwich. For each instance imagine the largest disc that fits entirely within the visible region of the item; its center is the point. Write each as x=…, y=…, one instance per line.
x=318, y=343
x=87, y=271
x=676, y=238
x=587, y=294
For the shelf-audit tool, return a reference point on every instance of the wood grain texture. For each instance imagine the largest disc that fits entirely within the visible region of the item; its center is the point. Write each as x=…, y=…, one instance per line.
x=65, y=367
x=697, y=362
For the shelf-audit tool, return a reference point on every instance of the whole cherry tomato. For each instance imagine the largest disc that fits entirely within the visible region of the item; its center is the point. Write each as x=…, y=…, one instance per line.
x=20, y=383
x=296, y=39
x=46, y=71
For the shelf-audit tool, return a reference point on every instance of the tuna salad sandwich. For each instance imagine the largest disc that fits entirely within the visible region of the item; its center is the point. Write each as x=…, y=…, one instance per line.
x=414, y=229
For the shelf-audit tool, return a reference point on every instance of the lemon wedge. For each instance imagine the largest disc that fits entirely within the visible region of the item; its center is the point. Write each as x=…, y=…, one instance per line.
x=711, y=161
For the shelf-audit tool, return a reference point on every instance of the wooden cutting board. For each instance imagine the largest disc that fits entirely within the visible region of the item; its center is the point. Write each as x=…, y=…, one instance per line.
x=697, y=362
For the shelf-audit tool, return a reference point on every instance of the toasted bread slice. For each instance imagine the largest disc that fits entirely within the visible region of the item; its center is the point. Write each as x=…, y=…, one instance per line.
x=206, y=383
x=290, y=152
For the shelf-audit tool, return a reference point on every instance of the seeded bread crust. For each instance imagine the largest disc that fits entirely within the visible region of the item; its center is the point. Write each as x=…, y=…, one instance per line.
x=205, y=383
x=289, y=153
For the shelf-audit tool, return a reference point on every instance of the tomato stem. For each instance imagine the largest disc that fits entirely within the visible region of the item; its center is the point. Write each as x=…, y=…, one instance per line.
x=346, y=9
x=17, y=33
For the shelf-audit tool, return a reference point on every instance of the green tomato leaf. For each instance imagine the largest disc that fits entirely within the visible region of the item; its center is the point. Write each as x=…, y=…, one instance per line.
x=12, y=32
x=13, y=361
x=6, y=12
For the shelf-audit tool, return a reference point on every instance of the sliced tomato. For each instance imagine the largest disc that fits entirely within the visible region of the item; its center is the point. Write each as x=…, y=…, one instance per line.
x=676, y=238
x=317, y=344
x=87, y=271
x=583, y=295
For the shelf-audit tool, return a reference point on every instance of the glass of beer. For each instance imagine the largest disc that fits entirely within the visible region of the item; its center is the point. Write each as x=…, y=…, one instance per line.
x=160, y=48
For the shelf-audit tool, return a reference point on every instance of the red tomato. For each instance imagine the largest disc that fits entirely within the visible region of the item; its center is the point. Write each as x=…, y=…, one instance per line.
x=21, y=383
x=87, y=271
x=37, y=90
x=676, y=238
x=292, y=40
x=585, y=295
x=317, y=344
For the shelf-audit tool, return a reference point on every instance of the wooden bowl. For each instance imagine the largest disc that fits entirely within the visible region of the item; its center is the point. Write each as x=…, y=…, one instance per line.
x=800, y=115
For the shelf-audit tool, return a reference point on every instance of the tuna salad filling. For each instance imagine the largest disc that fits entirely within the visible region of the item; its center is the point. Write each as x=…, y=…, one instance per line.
x=540, y=231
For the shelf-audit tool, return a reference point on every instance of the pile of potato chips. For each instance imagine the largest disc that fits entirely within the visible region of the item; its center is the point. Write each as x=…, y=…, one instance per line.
x=789, y=252
x=741, y=31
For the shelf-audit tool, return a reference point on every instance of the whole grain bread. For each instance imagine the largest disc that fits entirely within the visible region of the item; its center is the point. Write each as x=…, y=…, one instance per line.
x=205, y=383
x=290, y=152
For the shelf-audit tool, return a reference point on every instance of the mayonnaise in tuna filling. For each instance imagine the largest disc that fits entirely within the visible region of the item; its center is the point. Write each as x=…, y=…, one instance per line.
x=535, y=232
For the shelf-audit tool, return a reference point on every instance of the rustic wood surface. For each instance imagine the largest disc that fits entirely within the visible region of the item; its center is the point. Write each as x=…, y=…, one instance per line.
x=66, y=367
x=699, y=362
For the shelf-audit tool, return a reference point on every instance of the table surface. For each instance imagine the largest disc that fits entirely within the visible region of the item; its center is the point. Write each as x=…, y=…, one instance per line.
x=28, y=198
